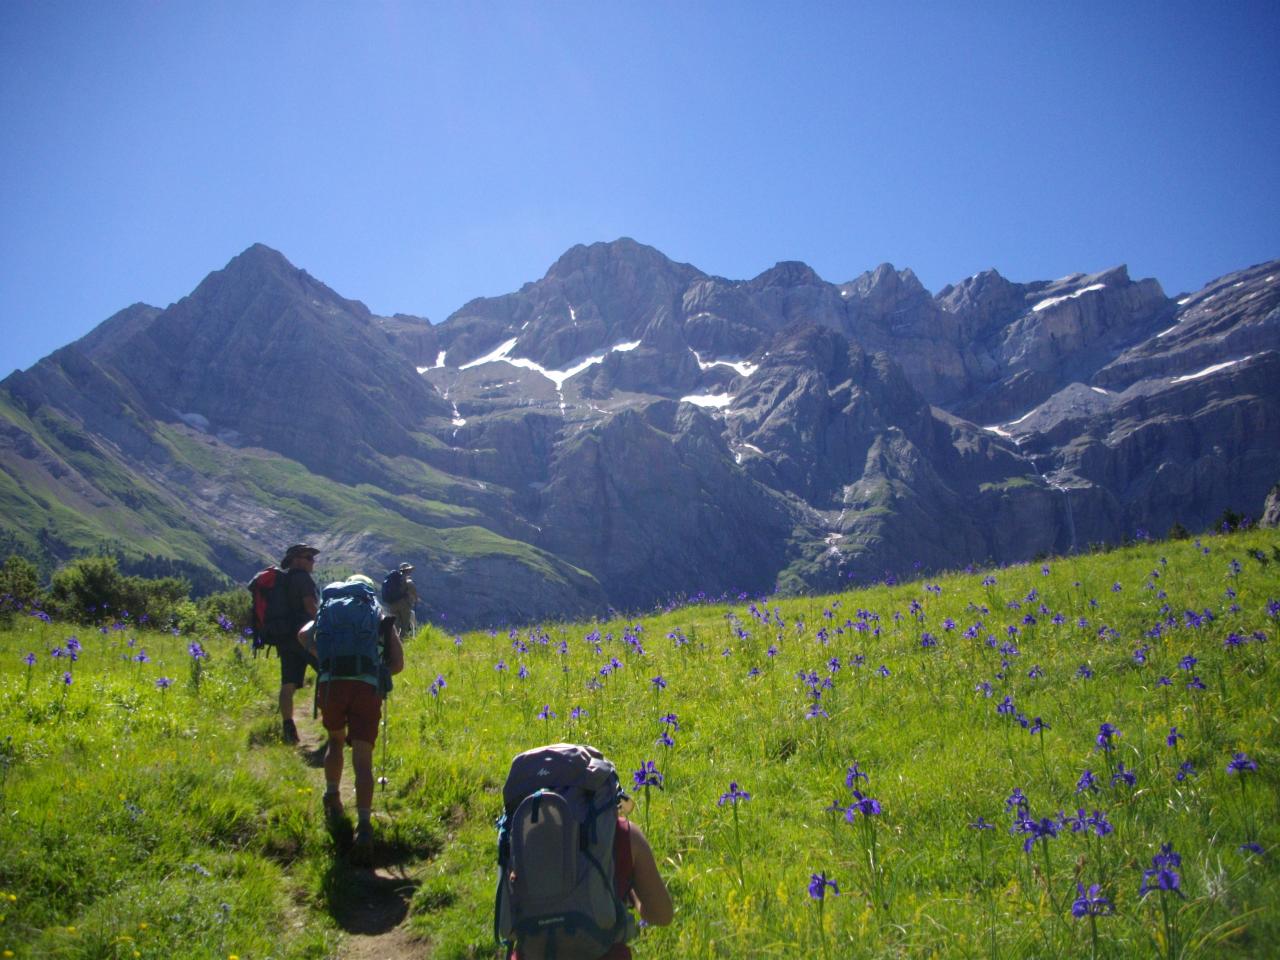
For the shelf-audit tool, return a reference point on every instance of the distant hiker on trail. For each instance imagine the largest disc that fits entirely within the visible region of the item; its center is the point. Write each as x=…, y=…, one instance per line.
x=400, y=596
x=358, y=648
x=571, y=866
x=284, y=598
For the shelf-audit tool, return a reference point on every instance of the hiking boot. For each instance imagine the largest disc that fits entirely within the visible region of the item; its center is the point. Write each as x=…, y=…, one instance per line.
x=290, y=732
x=362, y=844
x=333, y=811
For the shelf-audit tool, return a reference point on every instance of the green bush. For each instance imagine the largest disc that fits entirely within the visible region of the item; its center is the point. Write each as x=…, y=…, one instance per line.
x=93, y=588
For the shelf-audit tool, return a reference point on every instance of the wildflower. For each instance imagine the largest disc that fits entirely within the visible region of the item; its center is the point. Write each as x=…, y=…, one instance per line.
x=1037, y=725
x=523, y=672
x=1085, y=672
x=1090, y=903
x=1173, y=737
x=1087, y=781
x=437, y=685
x=1035, y=673
x=1121, y=774
x=1162, y=875
x=1241, y=764
x=883, y=671
x=647, y=775
x=818, y=884
x=1005, y=706
x=501, y=665
x=163, y=683
x=1187, y=663
x=1164, y=682
x=659, y=683
x=671, y=720
x=1042, y=829
x=734, y=795
x=1106, y=733
x=546, y=713
x=1184, y=771
x=854, y=775
x=197, y=652
x=29, y=659
x=577, y=713
x=1252, y=848
x=665, y=739
x=864, y=805
x=1017, y=800
x=1195, y=683
x=981, y=824
x=66, y=679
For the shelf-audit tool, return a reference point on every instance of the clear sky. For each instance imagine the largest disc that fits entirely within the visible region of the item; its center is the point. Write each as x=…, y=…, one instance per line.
x=417, y=154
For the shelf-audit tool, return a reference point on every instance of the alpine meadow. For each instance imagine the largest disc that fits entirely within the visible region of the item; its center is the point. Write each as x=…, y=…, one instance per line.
x=1063, y=758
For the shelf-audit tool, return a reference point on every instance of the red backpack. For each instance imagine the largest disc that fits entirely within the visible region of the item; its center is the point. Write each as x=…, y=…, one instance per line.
x=272, y=620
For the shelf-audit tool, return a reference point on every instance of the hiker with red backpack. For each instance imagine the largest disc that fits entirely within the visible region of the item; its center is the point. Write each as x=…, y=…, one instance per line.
x=571, y=866
x=358, y=648
x=284, y=598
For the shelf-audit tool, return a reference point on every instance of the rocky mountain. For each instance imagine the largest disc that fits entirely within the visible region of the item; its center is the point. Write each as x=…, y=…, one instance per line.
x=628, y=429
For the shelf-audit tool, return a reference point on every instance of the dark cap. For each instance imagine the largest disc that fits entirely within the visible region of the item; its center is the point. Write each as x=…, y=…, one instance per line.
x=406, y=567
x=298, y=550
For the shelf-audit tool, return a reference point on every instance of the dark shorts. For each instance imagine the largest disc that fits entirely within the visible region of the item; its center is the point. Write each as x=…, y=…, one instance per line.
x=293, y=663
x=350, y=705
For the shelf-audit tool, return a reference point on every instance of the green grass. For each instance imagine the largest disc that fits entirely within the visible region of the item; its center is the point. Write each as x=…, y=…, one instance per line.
x=116, y=793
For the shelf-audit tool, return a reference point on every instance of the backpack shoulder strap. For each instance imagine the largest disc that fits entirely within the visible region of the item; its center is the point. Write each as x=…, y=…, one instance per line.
x=624, y=866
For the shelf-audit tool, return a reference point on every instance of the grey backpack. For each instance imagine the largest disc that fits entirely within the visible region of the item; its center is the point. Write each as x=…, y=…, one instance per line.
x=556, y=898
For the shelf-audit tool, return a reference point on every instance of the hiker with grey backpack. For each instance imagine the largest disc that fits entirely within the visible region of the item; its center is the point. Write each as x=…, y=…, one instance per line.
x=571, y=866
x=358, y=648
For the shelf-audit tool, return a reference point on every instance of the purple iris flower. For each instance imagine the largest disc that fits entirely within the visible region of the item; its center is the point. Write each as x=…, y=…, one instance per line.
x=862, y=805
x=1106, y=733
x=1123, y=776
x=854, y=775
x=733, y=796
x=1087, y=781
x=1241, y=764
x=647, y=775
x=1184, y=771
x=1163, y=873
x=1090, y=903
x=818, y=884
x=1173, y=737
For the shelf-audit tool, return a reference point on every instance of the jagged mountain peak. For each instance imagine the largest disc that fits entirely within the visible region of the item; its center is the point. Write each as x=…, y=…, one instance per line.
x=603, y=255
x=787, y=273
x=260, y=272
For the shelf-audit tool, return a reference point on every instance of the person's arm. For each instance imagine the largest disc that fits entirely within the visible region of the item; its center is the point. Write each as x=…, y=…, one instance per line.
x=307, y=637
x=394, y=650
x=647, y=886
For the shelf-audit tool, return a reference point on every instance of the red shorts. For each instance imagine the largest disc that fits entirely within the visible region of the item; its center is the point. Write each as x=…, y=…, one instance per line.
x=350, y=705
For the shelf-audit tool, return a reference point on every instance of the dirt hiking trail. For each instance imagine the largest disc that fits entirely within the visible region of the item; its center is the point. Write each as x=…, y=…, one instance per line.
x=369, y=902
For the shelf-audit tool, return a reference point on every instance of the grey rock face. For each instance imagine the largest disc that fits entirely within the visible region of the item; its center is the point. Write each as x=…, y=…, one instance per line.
x=627, y=429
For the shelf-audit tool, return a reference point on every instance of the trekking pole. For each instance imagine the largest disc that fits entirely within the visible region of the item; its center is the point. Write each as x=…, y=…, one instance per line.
x=382, y=779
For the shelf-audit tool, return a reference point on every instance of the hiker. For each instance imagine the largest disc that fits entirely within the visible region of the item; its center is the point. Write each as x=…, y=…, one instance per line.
x=572, y=867
x=301, y=602
x=358, y=648
x=400, y=596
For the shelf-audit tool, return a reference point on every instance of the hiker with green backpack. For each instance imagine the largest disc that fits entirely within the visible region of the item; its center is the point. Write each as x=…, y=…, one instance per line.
x=571, y=866
x=358, y=648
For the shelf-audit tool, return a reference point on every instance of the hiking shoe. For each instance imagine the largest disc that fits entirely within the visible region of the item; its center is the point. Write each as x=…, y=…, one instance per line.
x=333, y=811
x=290, y=733
x=362, y=844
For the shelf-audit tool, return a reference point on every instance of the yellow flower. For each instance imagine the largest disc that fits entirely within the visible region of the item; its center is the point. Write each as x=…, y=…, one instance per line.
x=142, y=926
x=13, y=898
x=7, y=953
x=71, y=929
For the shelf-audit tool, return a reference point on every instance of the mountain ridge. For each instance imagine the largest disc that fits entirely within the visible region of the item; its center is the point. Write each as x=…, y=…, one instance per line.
x=628, y=424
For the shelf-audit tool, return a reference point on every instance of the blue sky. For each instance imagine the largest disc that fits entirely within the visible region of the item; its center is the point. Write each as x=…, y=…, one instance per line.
x=415, y=154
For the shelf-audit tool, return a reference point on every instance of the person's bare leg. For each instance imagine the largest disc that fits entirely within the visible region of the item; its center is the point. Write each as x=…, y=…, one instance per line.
x=286, y=700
